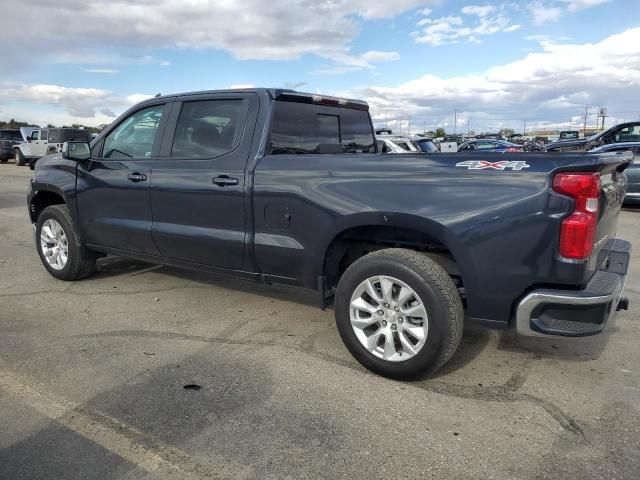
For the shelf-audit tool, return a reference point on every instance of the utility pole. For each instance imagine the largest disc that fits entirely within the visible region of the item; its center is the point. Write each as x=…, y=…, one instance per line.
x=586, y=114
x=603, y=114
x=455, y=121
x=409, y=125
x=524, y=128
x=468, y=129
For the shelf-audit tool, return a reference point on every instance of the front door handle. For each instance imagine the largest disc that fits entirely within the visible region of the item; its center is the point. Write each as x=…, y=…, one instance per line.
x=136, y=177
x=224, y=180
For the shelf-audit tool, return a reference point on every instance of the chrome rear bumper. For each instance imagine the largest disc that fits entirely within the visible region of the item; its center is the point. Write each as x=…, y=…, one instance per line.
x=577, y=313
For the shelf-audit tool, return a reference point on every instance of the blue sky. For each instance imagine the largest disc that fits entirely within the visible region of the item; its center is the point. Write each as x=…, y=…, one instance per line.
x=496, y=63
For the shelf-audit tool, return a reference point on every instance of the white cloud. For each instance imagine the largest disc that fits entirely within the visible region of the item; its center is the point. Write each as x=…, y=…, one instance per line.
x=576, y=5
x=552, y=10
x=136, y=98
x=77, y=102
x=239, y=86
x=551, y=84
x=480, y=11
x=246, y=29
x=476, y=22
x=345, y=62
x=542, y=13
x=376, y=56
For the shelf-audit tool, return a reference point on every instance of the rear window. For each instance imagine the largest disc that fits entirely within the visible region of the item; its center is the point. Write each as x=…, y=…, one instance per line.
x=305, y=128
x=11, y=135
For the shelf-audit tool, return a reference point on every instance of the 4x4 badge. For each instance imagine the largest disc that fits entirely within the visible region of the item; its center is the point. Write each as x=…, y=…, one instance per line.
x=483, y=165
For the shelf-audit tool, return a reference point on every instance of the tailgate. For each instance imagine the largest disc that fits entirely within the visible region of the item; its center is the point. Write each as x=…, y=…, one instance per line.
x=612, y=193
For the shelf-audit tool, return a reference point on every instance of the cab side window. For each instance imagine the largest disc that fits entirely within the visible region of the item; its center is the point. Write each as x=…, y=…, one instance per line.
x=208, y=128
x=628, y=134
x=134, y=137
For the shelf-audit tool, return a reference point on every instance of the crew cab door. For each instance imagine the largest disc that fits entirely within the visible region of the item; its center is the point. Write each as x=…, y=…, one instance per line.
x=198, y=187
x=113, y=185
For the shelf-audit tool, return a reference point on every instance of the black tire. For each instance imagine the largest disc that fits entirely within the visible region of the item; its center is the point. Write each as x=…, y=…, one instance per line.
x=4, y=160
x=81, y=262
x=20, y=160
x=437, y=291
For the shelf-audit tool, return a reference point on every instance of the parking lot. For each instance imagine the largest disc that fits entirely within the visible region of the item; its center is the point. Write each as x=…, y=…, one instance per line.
x=93, y=377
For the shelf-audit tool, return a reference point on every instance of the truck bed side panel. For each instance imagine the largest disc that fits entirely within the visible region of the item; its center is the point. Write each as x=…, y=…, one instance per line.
x=501, y=226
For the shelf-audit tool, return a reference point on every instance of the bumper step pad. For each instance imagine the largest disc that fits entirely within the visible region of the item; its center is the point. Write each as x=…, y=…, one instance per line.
x=577, y=313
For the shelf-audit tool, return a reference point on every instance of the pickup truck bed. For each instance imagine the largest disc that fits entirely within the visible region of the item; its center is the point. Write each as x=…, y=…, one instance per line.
x=291, y=188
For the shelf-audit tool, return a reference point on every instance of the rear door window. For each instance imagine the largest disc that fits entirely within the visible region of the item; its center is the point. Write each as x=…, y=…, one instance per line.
x=306, y=128
x=628, y=134
x=208, y=128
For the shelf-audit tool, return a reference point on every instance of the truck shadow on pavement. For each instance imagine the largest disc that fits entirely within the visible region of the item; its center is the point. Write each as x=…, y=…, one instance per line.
x=118, y=266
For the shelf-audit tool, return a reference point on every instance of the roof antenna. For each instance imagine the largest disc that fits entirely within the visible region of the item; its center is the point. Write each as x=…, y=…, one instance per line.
x=157, y=95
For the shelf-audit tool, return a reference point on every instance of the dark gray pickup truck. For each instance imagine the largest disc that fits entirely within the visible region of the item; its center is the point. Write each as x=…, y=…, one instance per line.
x=281, y=186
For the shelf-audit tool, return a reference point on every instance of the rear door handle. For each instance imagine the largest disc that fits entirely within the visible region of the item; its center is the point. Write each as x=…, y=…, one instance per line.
x=224, y=180
x=136, y=177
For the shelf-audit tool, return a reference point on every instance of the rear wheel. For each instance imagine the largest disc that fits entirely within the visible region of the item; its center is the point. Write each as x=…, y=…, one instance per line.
x=19, y=157
x=59, y=246
x=399, y=313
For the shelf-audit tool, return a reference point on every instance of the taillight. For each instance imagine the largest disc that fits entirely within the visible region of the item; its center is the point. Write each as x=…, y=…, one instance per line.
x=513, y=150
x=578, y=230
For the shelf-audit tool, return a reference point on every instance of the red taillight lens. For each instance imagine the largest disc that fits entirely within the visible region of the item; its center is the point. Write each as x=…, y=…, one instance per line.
x=513, y=150
x=578, y=230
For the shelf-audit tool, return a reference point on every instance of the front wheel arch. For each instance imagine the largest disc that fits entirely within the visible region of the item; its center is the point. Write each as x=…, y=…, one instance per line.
x=42, y=200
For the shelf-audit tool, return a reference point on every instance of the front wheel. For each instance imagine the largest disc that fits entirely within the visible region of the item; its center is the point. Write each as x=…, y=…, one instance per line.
x=399, y=313
x=59, y=246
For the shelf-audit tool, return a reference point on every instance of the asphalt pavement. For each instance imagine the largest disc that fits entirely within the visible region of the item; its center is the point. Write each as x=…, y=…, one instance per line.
x=142, y=371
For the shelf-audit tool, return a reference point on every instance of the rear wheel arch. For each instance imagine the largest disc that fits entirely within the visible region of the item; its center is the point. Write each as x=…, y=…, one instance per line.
x=414, y=233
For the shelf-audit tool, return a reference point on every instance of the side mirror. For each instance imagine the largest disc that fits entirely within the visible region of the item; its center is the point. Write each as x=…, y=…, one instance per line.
x=76, y=151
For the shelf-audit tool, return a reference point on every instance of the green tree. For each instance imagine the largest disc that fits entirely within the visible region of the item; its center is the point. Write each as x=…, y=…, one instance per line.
x=440, y=132
x=507, y=132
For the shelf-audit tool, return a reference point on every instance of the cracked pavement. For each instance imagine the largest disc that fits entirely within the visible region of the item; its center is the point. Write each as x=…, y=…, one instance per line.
x=92, y=376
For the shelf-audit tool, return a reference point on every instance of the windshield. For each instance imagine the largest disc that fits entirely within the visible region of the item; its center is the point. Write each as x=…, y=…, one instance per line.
x=10, y=135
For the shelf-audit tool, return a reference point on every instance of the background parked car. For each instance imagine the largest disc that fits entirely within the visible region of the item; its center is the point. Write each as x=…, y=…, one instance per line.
x=487, y=145
x=569, y=135
x=8, y=138
x=621, y=133
x=397, y=144
x=633, y=172
x=43, y=141
x=425, y=145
